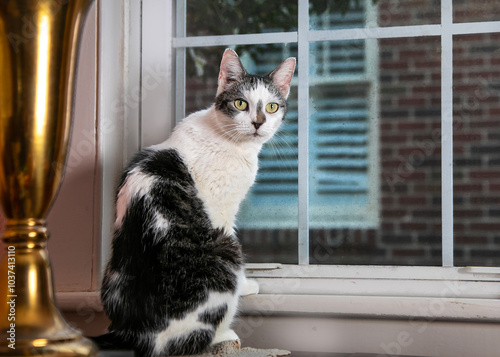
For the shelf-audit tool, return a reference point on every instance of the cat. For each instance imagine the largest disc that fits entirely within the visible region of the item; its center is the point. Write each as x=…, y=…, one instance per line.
x=176, y=271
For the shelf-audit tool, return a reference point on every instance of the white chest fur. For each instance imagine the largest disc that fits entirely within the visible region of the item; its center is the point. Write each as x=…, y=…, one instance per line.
x=223, y=171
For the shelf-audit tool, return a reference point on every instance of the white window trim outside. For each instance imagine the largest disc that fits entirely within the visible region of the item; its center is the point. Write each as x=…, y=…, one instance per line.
x=430, y=293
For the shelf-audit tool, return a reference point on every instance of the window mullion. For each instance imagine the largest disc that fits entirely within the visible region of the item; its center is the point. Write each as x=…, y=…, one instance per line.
x=303, y=131
x=447, y=132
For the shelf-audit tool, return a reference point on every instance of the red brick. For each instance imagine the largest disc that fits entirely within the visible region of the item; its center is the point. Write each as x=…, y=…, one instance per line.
x=411, y=77
x=391, y=163
x=470, y=239
x=392, y=65
x=460, y=188
x=468, y=62
x=393, y=138
x=458, y=227
x=487, y=124
x=485, y=200
x=485, y=75
x=484, y=175
x=413, y=226
x=467, y=213
x=411, y=102
x=387, y=201
x=469, y=137
x=434, y=40
x=469, y=38
x=426, y=213
x=404, y=126
x=385, y=127
x=434, y=89
x=412, y=54
x=408, y=252
x=394, y=213
x=458, y=149
x=428, y=187
x=387, y=227
x=397, y=42
x=485, y=226
x=413, y=200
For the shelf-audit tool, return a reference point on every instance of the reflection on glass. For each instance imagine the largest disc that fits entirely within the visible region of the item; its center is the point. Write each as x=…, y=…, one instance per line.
x=476, y=140
x=347, y=14
x=267, y=221
x=215, y=17
x=375, y=154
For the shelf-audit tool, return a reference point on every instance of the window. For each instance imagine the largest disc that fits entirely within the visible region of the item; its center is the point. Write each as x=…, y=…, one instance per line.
x=375, y=158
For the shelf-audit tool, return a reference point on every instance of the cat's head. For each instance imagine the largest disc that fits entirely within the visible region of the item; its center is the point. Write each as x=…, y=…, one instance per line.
x=252, y=107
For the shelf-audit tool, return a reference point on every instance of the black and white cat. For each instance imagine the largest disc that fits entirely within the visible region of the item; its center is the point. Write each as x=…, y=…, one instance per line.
x=176, y=272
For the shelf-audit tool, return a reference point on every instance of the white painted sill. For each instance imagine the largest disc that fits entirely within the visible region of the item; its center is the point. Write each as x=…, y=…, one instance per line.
x=420, y=293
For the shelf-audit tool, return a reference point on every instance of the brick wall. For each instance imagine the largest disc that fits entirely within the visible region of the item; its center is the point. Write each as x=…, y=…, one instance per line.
x=477, y=148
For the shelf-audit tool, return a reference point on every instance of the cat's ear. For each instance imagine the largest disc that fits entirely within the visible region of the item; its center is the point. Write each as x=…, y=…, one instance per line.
x=282, y=76
x=231, y=70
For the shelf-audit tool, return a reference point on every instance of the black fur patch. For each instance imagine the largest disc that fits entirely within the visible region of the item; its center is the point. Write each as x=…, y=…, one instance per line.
x=157, y=275
x=195, y=343
x=213, y=317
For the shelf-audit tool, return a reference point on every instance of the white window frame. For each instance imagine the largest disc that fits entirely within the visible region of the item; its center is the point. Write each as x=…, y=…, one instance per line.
x=429, y=293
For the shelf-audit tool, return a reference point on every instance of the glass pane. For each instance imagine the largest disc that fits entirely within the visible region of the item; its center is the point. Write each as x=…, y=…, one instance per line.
x=267, y=221
x=346, y=14
x=474, y=11
x=476, y=139
x=375, y=195
x=215, y=17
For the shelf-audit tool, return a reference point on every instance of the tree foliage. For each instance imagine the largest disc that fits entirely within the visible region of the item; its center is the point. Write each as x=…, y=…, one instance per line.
x=227, y=17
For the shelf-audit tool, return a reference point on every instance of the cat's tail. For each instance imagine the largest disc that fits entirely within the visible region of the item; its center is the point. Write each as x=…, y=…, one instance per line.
x=196, y=342
x=115, y=341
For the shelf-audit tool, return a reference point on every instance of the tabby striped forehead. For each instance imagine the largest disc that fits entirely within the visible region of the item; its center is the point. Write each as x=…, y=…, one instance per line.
x=249, y=88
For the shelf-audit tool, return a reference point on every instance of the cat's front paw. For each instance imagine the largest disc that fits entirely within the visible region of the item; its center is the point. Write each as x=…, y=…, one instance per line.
x=250, y=287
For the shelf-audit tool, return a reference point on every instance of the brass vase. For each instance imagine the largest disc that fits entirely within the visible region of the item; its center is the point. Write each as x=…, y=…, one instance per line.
x=39, y=42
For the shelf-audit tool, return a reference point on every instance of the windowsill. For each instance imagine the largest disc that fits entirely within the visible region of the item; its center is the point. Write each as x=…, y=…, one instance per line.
x=420, y=293
x=375, y=307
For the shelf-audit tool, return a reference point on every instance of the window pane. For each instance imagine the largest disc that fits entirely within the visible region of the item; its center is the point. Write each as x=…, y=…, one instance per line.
x=215, y=17
x=387, y=208
x=476, y=138
x=346, y=14
x=476, y=10
x=267, y=221
x=342, y=136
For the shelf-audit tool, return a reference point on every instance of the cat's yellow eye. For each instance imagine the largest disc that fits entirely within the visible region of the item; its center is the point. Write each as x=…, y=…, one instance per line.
x=240, y=104
x=272, y=108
